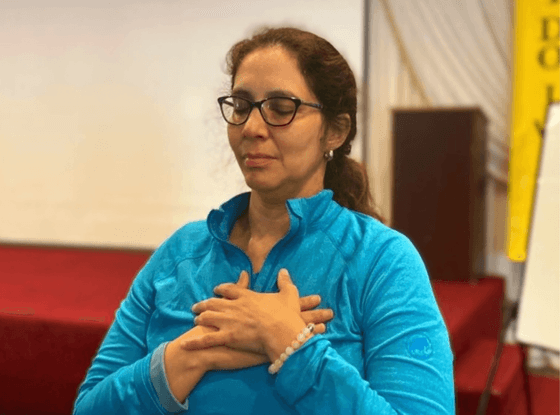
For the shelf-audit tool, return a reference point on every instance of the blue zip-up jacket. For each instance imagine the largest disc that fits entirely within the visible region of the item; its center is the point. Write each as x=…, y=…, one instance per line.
x=386, y=351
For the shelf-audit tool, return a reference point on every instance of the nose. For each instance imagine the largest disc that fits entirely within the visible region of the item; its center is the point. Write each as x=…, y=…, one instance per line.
x=255, y=126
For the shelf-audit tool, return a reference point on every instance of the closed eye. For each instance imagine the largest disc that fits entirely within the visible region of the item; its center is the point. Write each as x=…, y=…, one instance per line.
x=280, y=106
x=240, y=106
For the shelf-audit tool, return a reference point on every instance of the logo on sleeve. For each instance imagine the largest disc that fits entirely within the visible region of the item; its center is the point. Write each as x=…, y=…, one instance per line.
x=420, y=347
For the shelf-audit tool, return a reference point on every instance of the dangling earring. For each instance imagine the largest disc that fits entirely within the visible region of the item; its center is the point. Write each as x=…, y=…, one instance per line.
x=329, y=155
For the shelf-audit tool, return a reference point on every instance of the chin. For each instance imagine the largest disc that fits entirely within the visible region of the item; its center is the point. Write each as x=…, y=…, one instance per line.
x=282, y=187
x=260, y=186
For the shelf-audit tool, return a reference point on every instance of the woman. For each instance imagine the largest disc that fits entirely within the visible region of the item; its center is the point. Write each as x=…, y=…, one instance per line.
x=214, y=323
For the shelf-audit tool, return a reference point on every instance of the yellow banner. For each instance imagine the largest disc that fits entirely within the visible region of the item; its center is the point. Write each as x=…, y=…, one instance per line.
x=536, y=83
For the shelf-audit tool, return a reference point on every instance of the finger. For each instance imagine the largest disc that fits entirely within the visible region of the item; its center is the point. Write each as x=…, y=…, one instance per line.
x=212, y=304
x=317, y=316
x=210, y=319
x=243, y=281
x=285, y=281
x=309, y=302
x=204, y=342
x=319, y=329
x=229, y=291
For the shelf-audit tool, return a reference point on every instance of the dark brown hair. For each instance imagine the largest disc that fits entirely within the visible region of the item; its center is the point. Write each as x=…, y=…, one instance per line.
x=332, y=81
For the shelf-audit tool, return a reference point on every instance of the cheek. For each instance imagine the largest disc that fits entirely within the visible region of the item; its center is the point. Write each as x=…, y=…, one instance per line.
x=234, y=138
x=302, y=152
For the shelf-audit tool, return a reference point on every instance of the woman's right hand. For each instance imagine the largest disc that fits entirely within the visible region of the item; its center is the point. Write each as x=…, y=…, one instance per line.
x=222, y=357
x=185, y=368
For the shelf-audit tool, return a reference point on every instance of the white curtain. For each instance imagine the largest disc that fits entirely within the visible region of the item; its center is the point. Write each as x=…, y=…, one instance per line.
x=438, y=53
x=393, y=82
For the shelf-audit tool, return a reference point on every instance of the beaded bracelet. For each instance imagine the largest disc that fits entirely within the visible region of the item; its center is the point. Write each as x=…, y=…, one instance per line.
x=296, y=344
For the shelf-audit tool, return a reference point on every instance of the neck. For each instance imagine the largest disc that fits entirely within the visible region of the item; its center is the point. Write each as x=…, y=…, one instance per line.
x=266, y=218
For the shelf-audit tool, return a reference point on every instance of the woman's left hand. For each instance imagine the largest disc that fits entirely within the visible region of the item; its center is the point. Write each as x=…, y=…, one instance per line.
x=247, y=320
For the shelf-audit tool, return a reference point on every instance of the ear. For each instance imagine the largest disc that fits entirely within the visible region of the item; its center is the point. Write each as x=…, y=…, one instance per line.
x=338, y=132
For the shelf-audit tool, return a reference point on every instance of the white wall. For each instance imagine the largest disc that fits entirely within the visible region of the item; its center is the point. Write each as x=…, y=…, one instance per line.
x=110, y=133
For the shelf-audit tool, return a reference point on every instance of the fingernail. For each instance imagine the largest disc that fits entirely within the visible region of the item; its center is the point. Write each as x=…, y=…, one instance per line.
x=285, y=272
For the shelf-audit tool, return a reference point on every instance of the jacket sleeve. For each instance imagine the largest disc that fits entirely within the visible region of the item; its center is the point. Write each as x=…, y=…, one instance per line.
x=408, y=363
x=122, y=376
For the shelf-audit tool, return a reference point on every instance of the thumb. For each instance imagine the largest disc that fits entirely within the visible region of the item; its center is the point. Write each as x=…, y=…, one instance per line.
x=243, y=280
x=284, y=280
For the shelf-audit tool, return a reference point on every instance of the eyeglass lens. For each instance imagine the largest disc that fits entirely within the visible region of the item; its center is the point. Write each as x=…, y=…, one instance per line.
x=275, y=111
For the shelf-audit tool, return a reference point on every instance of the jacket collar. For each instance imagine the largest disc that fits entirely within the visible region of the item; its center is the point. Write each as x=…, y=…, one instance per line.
x=304, y=212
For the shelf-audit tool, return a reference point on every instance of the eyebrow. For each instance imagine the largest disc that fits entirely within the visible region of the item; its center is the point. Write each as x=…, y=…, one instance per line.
x=244, y=93
x=280, y=93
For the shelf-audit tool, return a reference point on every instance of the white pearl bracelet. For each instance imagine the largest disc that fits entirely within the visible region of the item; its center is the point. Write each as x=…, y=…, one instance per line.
x=296, y=344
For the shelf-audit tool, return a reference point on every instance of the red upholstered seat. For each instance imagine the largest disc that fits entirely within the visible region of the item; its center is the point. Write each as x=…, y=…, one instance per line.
x=55, y=307
x=470, y=310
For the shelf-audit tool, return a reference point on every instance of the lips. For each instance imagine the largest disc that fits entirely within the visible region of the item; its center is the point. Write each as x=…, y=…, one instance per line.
x=258, y=159
x=258, y=156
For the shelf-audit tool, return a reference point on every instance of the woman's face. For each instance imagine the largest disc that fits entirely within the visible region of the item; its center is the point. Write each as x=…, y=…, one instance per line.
x=283, y=162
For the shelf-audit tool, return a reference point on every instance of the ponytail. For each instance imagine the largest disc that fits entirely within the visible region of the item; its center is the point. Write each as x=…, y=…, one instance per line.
x=349, y=182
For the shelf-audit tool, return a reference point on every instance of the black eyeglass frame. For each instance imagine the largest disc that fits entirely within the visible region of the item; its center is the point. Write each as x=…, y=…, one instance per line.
x=258, y=104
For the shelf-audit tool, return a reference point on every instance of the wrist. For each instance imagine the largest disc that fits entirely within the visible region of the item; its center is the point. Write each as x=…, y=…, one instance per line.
x=183, y=369
x=184, y=361
x=197, y=360
x=281, y=336
x=301, y=338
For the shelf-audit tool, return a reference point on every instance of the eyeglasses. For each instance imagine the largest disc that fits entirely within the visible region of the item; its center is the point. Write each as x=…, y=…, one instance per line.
x=276, y=111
